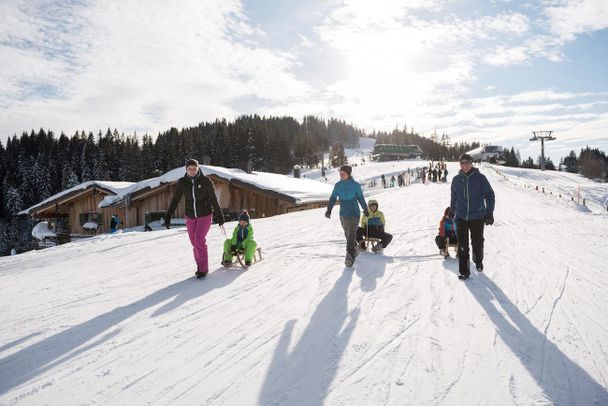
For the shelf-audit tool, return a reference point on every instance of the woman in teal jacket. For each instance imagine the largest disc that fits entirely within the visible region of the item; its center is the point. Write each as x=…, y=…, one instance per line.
x=351, y=196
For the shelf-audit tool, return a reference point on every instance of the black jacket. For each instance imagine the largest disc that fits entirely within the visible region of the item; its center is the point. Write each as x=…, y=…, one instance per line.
x=200, y=198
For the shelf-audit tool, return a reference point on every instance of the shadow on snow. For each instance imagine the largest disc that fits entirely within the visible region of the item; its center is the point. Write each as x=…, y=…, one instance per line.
x=28, y=363
x=562, y=380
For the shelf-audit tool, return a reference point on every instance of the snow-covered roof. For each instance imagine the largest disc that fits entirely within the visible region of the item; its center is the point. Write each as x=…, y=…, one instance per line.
x=300, y=190
x=118, y=188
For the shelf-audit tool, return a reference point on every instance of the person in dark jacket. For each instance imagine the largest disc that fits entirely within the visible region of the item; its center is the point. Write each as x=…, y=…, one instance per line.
x=351, y=196
x=473, y=206
x=114, y=223
x=201, y=203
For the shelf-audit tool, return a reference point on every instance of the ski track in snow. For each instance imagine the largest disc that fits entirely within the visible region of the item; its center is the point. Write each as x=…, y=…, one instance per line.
x=121, y=320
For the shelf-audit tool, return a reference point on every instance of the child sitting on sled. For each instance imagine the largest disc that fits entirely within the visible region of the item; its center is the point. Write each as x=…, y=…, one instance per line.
x=447, y=232
x=242, y=240
x=372, y=226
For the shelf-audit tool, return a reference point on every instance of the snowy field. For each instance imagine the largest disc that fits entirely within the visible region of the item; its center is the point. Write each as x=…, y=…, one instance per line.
x=571, y=186
x=120, y=319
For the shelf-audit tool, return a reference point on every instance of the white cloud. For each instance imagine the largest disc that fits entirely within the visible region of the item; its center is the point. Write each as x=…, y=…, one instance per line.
x=135, y=65
x=569, y=18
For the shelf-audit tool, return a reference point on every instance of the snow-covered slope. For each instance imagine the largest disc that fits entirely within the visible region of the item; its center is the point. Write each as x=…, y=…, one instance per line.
x=571, y=186
x=120, y=319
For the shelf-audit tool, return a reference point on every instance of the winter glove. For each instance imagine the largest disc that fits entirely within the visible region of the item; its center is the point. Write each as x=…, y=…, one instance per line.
x=233, y=249
x=168, y=223
x=451, y=213
x=328, y=214
x=219, y=220
x=489, y=220
x=365, y=213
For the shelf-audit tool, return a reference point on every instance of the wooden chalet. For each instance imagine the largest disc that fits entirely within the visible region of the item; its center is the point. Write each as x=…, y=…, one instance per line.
x=76, y=211
x=148, y=200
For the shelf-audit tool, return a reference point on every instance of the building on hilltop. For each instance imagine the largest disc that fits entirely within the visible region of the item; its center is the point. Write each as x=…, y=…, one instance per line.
x=394, y=152
x=487, y=153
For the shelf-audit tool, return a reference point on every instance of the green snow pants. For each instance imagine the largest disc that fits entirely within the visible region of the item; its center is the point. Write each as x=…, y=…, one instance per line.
x=249, y=250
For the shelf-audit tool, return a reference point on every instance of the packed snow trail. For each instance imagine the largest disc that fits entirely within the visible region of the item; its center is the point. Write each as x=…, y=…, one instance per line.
x=120, y=319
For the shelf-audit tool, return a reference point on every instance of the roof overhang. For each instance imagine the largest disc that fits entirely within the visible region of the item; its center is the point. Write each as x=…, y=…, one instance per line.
x=52, y=206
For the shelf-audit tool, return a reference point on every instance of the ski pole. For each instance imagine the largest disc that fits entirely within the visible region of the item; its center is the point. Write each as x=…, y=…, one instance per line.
x=223, y=230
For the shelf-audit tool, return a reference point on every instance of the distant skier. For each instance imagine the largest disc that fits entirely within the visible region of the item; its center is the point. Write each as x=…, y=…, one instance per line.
x=201, y=202
x=447, y=232
x=372, y=225
x=472, y=203
x=350, y=194
x=242, y=239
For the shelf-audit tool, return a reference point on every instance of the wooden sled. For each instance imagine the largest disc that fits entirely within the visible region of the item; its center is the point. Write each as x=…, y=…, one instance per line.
x=240, y=258
x=372, y=244
x=450, y=244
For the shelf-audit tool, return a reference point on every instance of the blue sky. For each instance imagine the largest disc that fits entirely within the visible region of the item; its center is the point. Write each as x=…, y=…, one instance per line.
x=491, y=71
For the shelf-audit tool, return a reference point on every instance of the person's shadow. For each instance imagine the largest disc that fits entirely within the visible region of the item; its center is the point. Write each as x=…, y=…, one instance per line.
x=562, y=380
x=371, y=267
x=55, y=350
x=303, y=376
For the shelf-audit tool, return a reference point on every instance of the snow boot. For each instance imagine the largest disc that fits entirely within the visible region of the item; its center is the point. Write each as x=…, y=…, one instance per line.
x=479, y=266
x=226, y=263
x=200, y=274
x=349, y=260
x=378, y=248
x=463, y=276
x=444, y=253
x=247, y=263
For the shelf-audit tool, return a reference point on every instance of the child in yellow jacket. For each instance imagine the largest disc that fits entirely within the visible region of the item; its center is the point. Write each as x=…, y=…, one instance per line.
x=372, y=226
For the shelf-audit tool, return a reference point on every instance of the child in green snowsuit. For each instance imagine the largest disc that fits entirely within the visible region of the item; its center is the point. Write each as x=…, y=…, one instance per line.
x=242, y=239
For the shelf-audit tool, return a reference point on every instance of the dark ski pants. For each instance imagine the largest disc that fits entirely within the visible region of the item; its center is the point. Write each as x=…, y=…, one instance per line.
x=385, y=238
x=350, y=225
x=441, y=241
x=463, y=227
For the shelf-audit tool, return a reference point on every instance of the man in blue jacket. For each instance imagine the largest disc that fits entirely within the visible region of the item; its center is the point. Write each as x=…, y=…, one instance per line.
x=350, y=194
x=473, y=205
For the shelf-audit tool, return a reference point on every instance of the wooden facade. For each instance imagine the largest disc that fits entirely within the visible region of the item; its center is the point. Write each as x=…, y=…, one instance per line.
x=233, y=197
x=69, y=209
x=136, y=205
x=68, y=212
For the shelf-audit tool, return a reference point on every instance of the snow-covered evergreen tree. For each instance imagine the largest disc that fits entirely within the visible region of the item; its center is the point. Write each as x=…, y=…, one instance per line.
x=13, y=203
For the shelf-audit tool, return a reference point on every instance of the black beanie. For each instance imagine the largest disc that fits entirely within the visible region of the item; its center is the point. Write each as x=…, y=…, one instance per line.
x=465, y=157
x=347, y=168
x=244, y=216
x=191, y=161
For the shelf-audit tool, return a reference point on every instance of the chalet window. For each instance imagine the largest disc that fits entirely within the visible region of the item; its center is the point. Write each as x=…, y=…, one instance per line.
x=154, y=215
x=90, y=217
